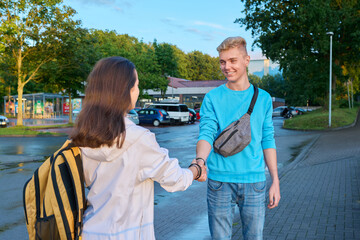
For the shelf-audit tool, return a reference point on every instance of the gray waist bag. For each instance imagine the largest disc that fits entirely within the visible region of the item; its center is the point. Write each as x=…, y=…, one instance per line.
x=237, y=135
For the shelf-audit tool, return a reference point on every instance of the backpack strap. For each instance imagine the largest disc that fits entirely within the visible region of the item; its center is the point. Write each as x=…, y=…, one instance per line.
x=253, y=100
x=72, y=157
x=72, y=170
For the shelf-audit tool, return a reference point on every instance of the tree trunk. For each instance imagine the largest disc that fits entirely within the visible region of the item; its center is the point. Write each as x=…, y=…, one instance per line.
x=20, y=90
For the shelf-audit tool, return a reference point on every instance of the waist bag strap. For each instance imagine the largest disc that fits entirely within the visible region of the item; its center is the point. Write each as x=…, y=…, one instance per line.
x=253, y=100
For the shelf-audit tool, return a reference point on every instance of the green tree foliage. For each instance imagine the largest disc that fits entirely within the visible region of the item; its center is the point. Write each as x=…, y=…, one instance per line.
x=182, y=63
x=274, y=85
x=166, y=59
x=293, y=33
x=254, y=79
x=68, y=71
x=203, y=67
x=151, y=75
x=43, y=48
x=32, y=31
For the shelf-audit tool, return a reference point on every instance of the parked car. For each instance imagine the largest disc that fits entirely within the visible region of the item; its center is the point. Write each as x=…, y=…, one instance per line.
x=300, y=111
x=153, y=116
x=277, y=112
x=197, y=110
x=3, y=121
x=177, y=112
x=192, y=115
x=133, y=116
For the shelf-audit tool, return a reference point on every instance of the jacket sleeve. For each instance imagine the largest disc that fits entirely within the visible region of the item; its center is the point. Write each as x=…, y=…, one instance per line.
x=208, y=122
x=155, y=164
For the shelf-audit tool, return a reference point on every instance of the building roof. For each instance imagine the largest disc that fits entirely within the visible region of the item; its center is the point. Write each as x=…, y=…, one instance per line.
x=184, y=83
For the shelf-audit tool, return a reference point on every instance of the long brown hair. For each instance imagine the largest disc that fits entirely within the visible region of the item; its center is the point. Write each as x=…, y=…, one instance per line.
x=107, y=100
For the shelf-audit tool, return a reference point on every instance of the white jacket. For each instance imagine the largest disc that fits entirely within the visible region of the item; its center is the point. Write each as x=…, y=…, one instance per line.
x=121, y=182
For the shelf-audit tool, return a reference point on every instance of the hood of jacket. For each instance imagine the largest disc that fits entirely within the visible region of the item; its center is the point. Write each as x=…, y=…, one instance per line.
x=108, y=154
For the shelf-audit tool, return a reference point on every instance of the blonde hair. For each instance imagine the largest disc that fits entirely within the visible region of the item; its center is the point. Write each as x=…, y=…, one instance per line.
x=232, y=42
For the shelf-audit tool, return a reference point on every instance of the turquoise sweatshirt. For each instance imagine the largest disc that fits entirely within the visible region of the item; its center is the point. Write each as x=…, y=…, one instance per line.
x=222, y=106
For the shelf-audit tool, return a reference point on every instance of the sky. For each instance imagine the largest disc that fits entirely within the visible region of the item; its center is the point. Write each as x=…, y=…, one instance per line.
x=189, y=24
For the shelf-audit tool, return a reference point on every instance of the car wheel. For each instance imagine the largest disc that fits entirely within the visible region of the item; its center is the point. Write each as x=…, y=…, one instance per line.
x=156, y=123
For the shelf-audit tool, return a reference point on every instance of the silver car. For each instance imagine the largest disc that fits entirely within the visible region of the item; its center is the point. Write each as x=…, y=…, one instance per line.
x=3, y=121
x=133, y=116
x=277, y=112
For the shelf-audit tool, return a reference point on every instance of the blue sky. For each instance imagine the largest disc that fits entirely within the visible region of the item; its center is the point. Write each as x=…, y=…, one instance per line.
x=189, y=24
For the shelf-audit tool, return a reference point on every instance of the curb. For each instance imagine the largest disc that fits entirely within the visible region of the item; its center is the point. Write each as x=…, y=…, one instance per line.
x=347, y=126
x=303, y=154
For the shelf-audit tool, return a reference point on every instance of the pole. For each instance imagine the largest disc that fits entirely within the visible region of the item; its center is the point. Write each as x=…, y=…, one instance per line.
x=352, y=94
x=348, y=83
x=330, y=73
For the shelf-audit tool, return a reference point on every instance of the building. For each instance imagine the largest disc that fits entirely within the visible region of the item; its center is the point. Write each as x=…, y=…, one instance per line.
x=191, y=93
x=262, y=67
x=185, y=91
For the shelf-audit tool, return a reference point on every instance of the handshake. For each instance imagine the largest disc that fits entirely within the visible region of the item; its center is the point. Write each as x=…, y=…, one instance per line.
x=198, y=168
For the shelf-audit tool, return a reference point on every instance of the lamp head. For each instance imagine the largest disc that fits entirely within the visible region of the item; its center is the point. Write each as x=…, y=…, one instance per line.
x=330, y=33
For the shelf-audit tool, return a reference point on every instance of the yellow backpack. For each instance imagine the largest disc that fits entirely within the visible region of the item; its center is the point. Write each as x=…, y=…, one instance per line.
x=54, y=198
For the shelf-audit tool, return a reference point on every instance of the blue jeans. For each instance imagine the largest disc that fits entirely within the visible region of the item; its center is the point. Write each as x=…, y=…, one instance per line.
x=222, y=198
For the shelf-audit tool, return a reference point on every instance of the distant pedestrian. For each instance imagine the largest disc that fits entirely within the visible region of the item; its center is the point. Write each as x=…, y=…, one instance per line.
x=122, y=160
x=238, y=179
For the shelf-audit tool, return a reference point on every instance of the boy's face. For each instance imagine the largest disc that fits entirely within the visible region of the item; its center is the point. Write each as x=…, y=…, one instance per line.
x=233, y=63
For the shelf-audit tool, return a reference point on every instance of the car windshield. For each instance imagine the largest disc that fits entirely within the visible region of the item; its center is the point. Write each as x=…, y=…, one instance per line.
x=132, y=111
x=183, y=108
x=163, y=112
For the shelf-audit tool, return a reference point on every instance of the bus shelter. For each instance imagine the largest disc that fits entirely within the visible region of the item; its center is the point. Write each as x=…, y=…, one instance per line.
x=35, y=105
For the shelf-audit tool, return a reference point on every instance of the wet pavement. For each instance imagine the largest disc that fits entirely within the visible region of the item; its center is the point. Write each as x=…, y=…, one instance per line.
x=40, y=121
x=183, y=215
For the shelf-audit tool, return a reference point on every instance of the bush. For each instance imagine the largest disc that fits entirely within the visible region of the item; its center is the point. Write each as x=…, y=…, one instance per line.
x=343, y=103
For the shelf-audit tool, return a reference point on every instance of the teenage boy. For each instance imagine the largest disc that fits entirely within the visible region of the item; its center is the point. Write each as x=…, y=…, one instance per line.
x=238, y=179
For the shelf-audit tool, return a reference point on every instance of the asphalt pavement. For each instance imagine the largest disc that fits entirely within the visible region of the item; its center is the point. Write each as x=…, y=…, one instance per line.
x=319, y=180
x=320, y=189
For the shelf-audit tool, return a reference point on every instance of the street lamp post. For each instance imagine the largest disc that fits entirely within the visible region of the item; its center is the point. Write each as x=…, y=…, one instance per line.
x=330, y=75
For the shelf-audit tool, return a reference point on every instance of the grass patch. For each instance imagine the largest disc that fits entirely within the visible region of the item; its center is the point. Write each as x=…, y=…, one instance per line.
x=52, y=126
x=319, y=119
x=32, y=131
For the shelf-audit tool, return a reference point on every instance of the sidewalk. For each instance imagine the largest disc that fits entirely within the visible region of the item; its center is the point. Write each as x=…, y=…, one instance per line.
x=320, y=193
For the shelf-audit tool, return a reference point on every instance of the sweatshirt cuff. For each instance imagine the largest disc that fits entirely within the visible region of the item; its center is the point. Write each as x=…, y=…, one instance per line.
x=208, y=139
x=269, y=144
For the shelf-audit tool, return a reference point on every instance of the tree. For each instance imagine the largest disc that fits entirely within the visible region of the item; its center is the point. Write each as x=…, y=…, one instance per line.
x=274, y=85
x=7, y=80
x=293, y=33
x=32, y=32
x=203, y=67
x=67, y=73
x=151, y=75
x=182, y=63
x=166, y=59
